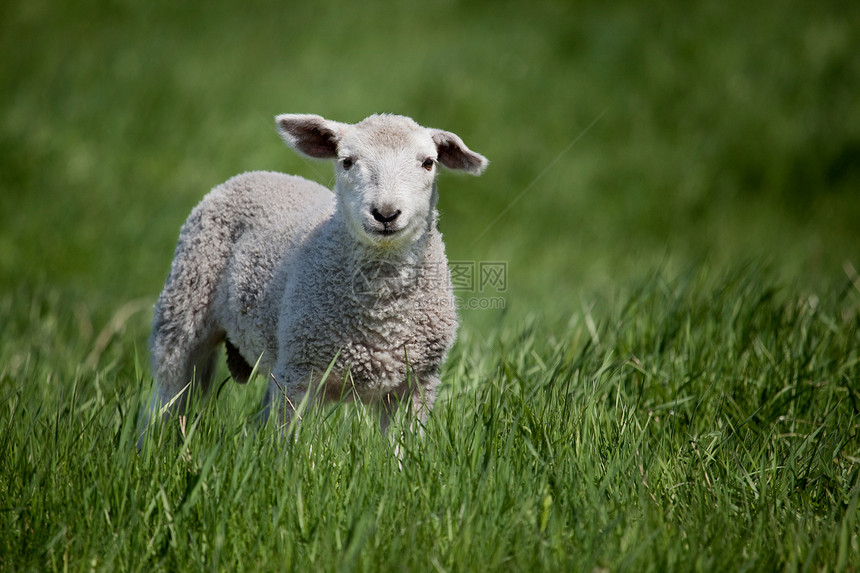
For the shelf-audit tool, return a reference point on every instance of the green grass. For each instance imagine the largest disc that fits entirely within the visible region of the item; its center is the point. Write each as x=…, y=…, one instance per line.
x=673, y=383
x=694, y=427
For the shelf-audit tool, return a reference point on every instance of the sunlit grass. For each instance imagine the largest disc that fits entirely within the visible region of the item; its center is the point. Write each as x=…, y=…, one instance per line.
x=701, y=423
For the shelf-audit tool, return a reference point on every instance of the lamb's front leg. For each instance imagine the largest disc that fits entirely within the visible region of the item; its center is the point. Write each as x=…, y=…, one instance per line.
x=418, y=396
x=423, y=399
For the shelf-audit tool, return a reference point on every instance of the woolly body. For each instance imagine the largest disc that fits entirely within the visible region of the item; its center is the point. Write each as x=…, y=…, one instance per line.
x=296, y=278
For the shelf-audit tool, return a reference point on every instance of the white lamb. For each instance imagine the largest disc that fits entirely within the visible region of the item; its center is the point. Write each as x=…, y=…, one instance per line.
x=294, y=278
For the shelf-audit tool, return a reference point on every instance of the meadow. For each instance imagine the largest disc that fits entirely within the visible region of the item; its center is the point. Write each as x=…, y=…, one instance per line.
x=661, y=371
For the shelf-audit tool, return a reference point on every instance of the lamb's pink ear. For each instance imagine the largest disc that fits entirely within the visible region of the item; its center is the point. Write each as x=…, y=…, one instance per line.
x=312, y=135
x=454, y=154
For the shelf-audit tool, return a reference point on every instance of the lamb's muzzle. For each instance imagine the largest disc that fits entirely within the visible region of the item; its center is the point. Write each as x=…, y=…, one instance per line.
x=387, y=215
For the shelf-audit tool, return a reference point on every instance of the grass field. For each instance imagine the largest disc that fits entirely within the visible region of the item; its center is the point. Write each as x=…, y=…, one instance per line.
x=672, y=384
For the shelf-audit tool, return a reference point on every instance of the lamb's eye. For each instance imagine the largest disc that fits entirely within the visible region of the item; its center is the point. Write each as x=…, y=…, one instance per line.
x=428, y=164
x=346, y=163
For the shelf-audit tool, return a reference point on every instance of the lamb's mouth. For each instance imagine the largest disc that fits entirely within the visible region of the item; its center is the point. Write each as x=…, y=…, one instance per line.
x=382, y=230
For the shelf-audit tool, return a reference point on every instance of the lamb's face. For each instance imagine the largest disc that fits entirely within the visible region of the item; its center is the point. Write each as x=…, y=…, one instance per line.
x=386, y=184
x=386, y=171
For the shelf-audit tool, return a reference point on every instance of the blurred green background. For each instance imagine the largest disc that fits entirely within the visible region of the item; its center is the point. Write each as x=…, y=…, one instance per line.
x=624, y=137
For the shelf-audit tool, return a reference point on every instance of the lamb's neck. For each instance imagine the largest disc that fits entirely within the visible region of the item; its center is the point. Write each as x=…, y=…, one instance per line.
x=413, y=254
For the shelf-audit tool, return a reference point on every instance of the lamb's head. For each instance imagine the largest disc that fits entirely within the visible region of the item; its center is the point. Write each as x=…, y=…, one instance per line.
x=386, y=171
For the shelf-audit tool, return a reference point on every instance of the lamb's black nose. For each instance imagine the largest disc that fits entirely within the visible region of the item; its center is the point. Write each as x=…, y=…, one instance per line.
x=386, y=215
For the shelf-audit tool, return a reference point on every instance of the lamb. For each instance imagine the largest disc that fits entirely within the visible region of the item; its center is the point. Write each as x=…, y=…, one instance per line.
x=343, y=293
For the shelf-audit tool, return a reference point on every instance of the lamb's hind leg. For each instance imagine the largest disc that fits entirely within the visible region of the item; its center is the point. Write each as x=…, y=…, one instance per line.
x=182, y=365
x=185, y=332
x=183, y=361
x=287, y=397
